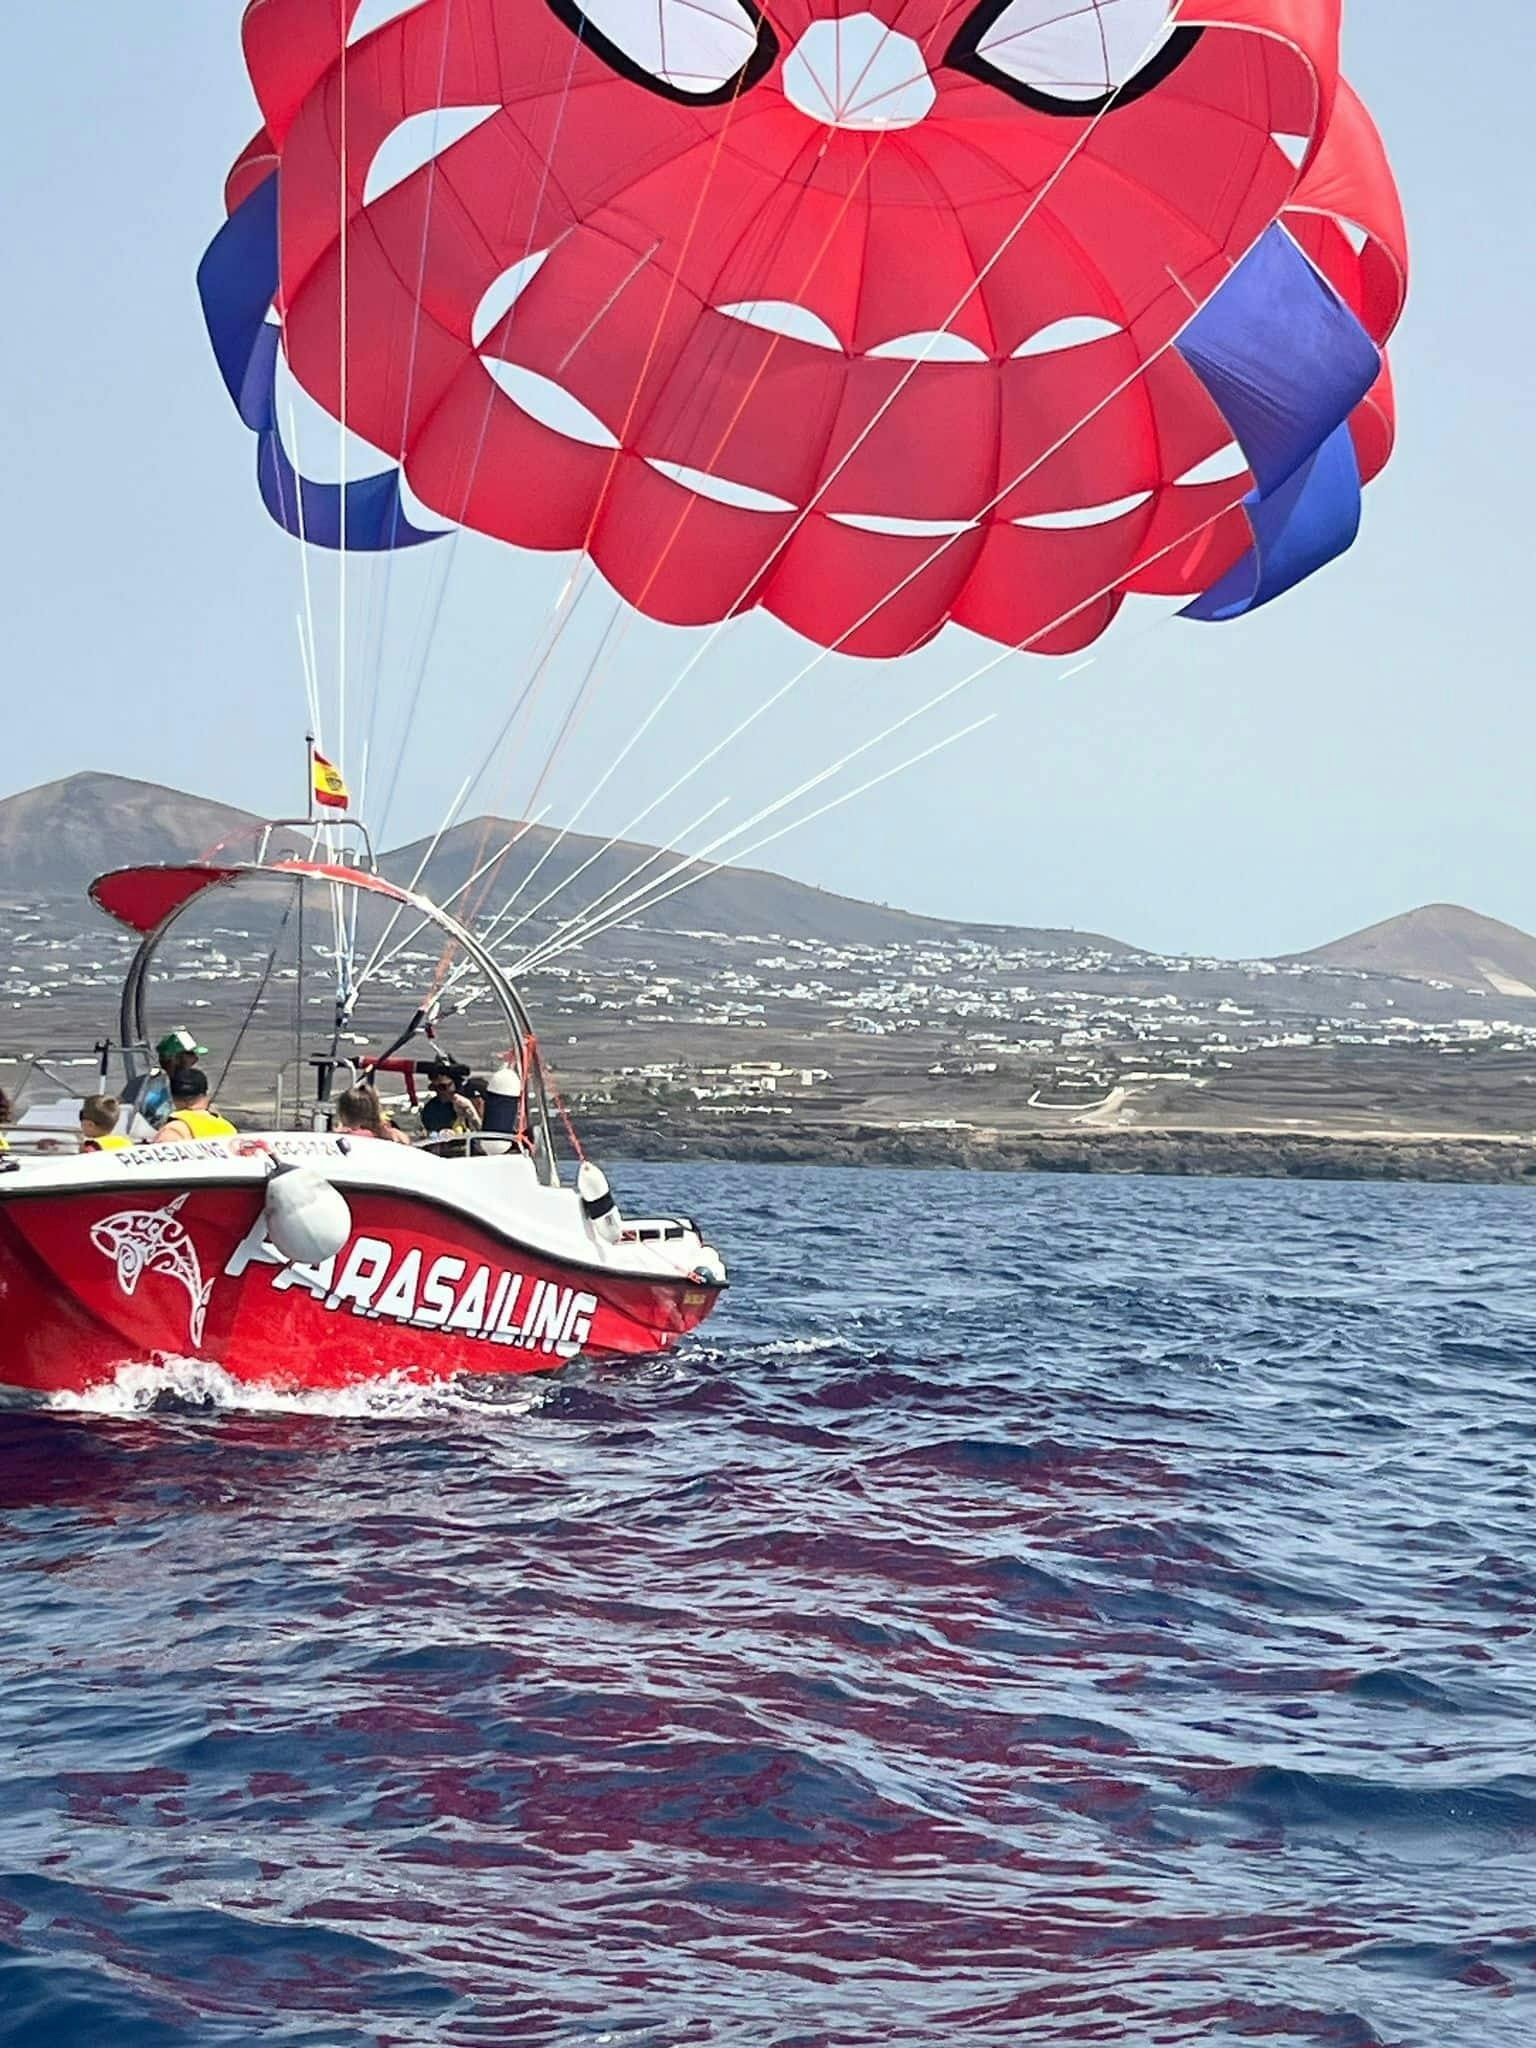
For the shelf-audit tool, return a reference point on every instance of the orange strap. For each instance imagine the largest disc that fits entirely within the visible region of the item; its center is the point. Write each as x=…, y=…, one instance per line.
x=564, y=1113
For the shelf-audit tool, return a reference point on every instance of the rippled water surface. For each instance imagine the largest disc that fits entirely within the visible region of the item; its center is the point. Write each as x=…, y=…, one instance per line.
x=1044, y=1611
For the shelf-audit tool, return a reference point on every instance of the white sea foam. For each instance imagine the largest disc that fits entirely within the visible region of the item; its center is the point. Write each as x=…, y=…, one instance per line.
x=192, y=1383
x=831, y=1345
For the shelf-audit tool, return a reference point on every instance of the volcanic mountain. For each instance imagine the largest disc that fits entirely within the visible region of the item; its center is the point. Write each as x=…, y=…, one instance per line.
x=54, y=839
x=735, y=901
x=1439, y=942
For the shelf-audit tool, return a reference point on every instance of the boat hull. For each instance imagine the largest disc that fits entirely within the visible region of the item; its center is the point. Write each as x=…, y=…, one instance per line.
x=93, y=1279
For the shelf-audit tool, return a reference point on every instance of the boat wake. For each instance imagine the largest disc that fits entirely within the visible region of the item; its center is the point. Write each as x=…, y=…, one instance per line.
x=193, y=1386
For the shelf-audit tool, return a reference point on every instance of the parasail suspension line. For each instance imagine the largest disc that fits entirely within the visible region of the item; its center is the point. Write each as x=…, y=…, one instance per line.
x=658, y=853
x=376, y=965
x=342, y=366
x=693, y=661
x=593, y=671
x=1037, y=199
x=493, y=929
x=421, y=865
x=808, y=668
x=768, y=810
x=311, y=705
x=612, y=300
x=581, y=695
x=542, y=957
x=312, y=661
x=605, y=651
x=549, y=947
x=382, y=586
x=451, y=546
x=312, y=691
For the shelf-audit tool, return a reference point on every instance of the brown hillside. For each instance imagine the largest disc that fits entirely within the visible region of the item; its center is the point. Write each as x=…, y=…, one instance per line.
x=1440, y=942
x=733, y=900
x=55, y=838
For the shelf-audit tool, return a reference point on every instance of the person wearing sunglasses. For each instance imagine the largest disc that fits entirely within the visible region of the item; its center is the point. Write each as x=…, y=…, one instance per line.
x=447, y=1113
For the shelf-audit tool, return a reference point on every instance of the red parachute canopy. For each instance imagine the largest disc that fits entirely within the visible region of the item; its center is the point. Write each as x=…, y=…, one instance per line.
x=878, y=318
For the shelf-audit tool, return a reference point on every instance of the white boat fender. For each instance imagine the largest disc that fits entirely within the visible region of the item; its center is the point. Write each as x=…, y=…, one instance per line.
x=597, y=1203
x=307, y=1220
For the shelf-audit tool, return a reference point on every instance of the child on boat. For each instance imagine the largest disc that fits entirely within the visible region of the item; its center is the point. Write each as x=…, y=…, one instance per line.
x=360, y=1114
x=99, y=1117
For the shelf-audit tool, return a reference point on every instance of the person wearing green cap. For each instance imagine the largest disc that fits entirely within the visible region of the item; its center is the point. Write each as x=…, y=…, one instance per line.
x=177, y=1051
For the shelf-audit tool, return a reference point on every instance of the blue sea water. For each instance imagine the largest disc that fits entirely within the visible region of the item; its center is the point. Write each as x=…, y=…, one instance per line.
x=1035, y=1611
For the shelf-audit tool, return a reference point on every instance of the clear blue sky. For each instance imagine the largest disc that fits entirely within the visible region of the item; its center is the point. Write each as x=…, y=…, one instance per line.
x=1367, y=745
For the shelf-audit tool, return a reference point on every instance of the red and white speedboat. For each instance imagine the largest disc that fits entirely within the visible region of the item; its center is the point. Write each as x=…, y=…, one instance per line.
x=307, y=1260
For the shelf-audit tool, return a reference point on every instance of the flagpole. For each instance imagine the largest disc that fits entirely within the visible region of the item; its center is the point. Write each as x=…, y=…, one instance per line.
x=309, y=787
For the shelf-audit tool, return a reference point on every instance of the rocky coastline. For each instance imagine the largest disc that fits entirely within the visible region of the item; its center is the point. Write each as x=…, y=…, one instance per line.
x=1309, y=1155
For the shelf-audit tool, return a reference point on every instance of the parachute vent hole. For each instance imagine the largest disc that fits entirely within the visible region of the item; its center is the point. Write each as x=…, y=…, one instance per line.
x=1225, y=466
x=858, y=72
x=1085, y=515
x=721, y=490
x=901, y=529
x=703, y=52
x=373, y=15
x=783, y=316
x=549, y=403
x=417, y=141
x=1076, y=332
x=1093, y=57
x=503, y=294
x=936, y=345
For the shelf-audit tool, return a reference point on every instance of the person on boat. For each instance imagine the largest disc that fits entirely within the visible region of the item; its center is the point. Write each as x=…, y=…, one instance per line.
x=503, y=1115
x=99, y=1115
x=192, y=1115
x=177, y=1051
x=5, y=1117
x=360, y=1114
x=447, y=1113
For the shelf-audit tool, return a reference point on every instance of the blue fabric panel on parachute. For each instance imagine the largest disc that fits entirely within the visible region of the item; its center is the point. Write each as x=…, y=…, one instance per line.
x=1283, y=357
x=376, y=519
x=237, y=281
x=1286, y=362
x=1311, y=519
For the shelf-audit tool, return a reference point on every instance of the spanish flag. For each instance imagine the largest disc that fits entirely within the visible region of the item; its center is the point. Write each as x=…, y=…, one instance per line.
x=330, y=785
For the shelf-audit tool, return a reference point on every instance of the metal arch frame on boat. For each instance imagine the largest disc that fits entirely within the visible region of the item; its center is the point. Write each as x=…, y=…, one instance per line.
x=133, y=1023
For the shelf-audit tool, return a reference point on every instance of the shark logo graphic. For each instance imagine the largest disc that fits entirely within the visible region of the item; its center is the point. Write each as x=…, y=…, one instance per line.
x=142, y=1241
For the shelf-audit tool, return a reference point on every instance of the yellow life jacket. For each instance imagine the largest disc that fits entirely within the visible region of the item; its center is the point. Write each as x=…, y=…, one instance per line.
x=111, y=1144
x=203, y=1123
